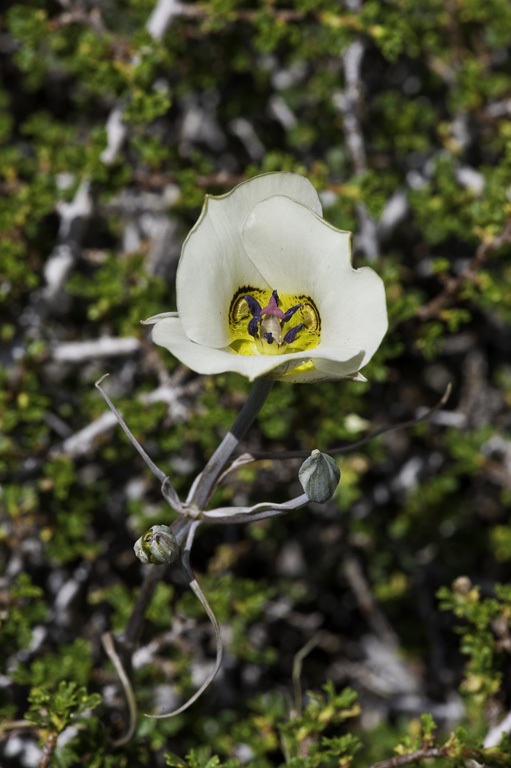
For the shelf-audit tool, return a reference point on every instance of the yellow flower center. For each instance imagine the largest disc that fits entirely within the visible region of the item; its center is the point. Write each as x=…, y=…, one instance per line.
x=263, y=322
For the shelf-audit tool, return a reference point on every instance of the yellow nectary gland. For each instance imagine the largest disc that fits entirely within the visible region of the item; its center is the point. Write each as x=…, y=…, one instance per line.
x=271, y=326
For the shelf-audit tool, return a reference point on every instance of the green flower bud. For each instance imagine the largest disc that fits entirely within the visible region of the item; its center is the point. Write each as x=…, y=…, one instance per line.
x=319, y=476
x=158, y=545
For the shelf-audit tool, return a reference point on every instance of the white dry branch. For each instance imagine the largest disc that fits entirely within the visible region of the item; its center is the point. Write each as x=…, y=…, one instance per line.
x=93, y=349
x=246, y=133
x=348, y=102
x=83, y=441
x=494, y=735
x=394, y=213
x=161, y=17
x=74, y=215
x=116, y=130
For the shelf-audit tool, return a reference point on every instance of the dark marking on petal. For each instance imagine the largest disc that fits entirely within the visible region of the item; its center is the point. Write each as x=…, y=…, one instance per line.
x=310, y=314
x=276, y=297
x=240, y=310
x=269, y=338
x=291, y=334
x=238, y=306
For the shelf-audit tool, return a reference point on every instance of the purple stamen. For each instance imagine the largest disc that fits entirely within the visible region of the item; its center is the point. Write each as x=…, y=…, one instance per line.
x=271, y=317
x=253, y=305
x=291, y=334
x=253, y=326
x=290, y=312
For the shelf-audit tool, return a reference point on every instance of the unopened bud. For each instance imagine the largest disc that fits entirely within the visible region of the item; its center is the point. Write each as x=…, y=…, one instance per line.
x=319, y=476
x=158, y=545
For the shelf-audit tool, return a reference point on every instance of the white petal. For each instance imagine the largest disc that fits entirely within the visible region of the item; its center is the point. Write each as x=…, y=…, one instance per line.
x=295, y=250
x=339, y=361
x=156, y=318
x=321, y=372
x=306, y=377
x=357, y=314
x=213, y=264
x=298, y=252
x=210, y=360
x=330, y=364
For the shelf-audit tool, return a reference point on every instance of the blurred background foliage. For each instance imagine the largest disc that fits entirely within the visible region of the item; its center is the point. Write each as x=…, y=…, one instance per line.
x=390, y=602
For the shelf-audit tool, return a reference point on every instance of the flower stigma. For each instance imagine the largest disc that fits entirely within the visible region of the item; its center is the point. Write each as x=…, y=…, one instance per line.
x=263, y=322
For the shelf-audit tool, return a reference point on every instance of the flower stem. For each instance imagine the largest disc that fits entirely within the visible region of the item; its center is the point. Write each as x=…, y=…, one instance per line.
x=199, y=496
x=254, y=403
x=134, y=625
x=201, y=489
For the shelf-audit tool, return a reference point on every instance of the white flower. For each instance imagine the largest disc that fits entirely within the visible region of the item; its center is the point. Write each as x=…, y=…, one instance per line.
x=265, y=287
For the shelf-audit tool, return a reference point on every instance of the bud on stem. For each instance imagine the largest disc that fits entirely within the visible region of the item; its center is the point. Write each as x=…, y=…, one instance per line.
x=158, y=546
x=319, y=476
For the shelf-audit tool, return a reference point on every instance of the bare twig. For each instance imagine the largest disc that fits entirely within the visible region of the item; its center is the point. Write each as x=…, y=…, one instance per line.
x=494, y=735
x=411, y=758
x=157, y=24
x=82, y=441
x=48, y=750
x=74, y=215
x=297, y=672
x=361, y=589
x=17, y=725
x=447, y=750
x=157, y=181
x=453, y=285
x=74, y=15
x=108, y=645
x=349, y=104
x=284, y=15
x=161, y=17
x=285, y=455
x=92, y=349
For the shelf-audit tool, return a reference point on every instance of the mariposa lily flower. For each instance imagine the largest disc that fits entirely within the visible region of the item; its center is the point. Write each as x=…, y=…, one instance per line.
x=265, y=287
